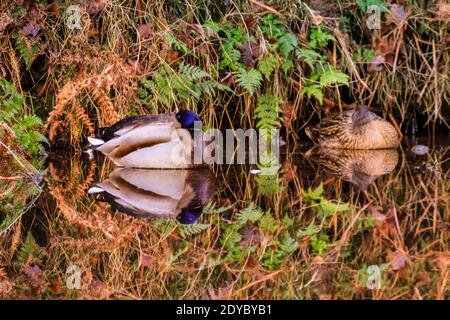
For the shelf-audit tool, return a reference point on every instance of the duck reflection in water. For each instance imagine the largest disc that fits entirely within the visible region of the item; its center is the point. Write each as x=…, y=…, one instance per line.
x=360, y=167
x=157, y=194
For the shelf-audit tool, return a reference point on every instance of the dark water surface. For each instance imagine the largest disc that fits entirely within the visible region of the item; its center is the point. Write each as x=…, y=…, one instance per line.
x=345, y=224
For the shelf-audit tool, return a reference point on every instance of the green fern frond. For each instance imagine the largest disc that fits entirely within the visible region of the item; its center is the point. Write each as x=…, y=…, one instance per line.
x=267, y=65
x=314, y=90
x=252, y=213
x=268, y=112
x=249, y=80
x=310, y=57
x=192, y=229
x=331, y=76
x=287, y=43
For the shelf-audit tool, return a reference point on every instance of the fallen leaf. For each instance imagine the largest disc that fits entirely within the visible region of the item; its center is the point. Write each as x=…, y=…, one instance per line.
x=53, y=9
x=146, y=261
x=376, y=213
x=249, y=53
x=422, y=279
x=397, y=259
x=33, y=272
x=31, y=29
x=376, y=64
x=55, y=286
x=96, y=6
x=145, y=31
x=98, y=289
x=172, y=56
x=317, y=20
x=92, y=32
x=398, y=14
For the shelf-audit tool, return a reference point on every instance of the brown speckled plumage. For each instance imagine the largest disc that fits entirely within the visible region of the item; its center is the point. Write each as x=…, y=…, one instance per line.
x=359, y=167
x=355, y=129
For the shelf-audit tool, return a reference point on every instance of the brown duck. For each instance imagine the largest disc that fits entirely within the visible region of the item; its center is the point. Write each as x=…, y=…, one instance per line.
x=355, y=129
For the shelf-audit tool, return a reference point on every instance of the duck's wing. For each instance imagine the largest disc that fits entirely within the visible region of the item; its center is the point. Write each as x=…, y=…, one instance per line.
x=131, y=134
x=333, y=125
x=133, y=122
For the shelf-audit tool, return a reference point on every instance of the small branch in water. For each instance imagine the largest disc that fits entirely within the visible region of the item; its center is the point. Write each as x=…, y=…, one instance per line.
x=11, y=178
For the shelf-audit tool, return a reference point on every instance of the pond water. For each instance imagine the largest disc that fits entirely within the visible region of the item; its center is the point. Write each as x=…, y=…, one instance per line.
x=346, y=224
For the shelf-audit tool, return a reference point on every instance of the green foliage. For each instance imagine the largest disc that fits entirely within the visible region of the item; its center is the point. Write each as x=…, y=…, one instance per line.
x=366, y=4
x=313, y=90
x=230, y=57
x=192, y=229
x=188, y=83
x=29, y=138
x=268, y=223
x=268, y=179
x=211, y=208
x=331, y=76
x=364, y=55
x=324, y=75
x=24, y=126
x=28, y=54
x=319, y=38
x=319, y=243
x=323, y=206
x=267, y=65
x=268, y=112
x=287, y=43
x=310, y=230
x=175, y=43
x=252, y=213
x=233, y=38
x=249, y=80
x=311, y=57
x=279, y=249
x=28, y=249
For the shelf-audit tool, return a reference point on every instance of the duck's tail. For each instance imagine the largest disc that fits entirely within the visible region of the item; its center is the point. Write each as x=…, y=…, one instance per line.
x=94, y=189
x=95, y=142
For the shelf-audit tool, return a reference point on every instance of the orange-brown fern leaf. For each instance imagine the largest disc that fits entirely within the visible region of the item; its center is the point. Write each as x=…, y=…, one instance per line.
x=83, y=116
x=15, y=66
x=109, y=115
x=65, y=95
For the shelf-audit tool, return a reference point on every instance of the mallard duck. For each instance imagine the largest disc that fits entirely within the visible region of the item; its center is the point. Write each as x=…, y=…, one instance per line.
x=152, y=141
x=360, y=167
x=355, y=129
x=162, y=194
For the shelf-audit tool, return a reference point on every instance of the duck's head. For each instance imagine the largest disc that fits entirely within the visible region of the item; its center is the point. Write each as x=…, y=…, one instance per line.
x=362, y=116
x=187, y=118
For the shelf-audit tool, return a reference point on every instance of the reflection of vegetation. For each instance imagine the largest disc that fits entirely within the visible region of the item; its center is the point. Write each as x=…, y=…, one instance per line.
x=268, y=180
x=12, y=113
x=323, y=206
x=15, y=202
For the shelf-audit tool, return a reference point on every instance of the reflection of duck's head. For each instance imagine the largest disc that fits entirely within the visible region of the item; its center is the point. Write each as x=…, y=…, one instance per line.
x=359, y=167
x=156, y=194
